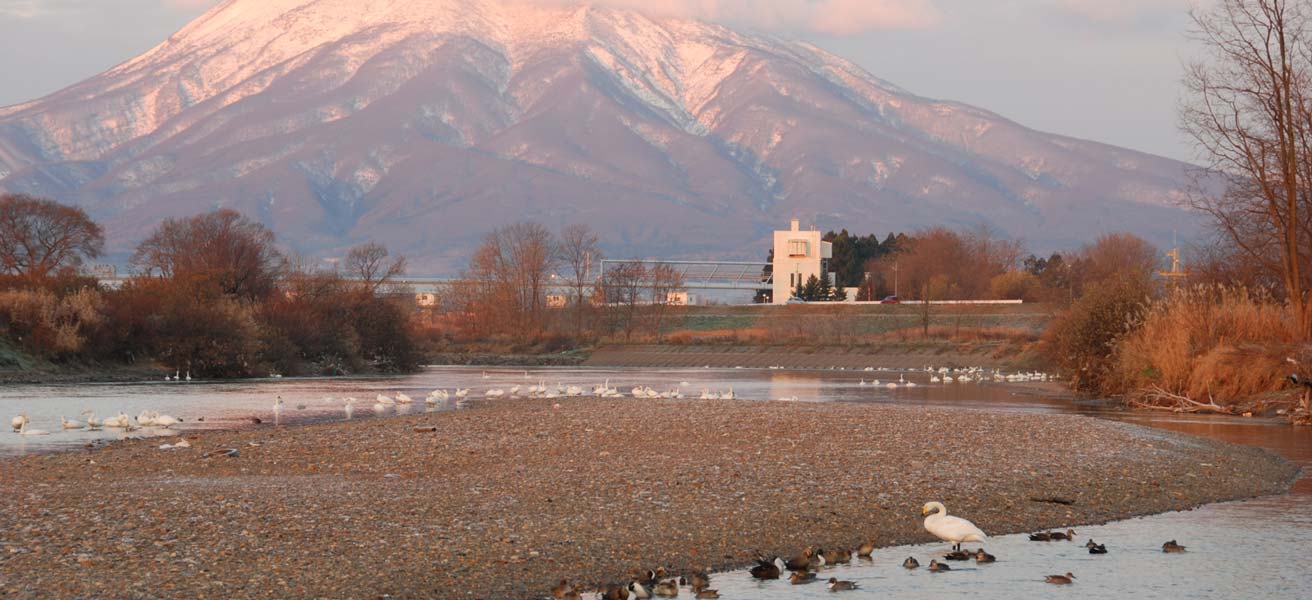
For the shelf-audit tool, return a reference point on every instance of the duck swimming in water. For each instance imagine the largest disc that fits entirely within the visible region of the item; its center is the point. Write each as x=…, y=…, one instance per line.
x=938, y=567
x=707, y=594
x=765, y=569
x=1171, y=546
x=982, y=557
x=865, y=550
x=800, y=577
x=911, y=563
x=838, y=586
x=1060, y=579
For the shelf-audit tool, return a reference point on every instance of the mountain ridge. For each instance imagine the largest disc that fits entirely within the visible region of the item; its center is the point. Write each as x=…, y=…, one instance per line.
x=424, y=126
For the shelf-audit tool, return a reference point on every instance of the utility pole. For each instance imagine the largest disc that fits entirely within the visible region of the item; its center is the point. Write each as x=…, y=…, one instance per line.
x=895, y=278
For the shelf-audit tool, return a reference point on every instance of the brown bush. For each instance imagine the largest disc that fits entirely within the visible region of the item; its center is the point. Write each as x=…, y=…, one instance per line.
x=1082, y=341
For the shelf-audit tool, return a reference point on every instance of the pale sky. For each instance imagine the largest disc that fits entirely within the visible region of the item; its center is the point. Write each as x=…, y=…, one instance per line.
x=1105, y=70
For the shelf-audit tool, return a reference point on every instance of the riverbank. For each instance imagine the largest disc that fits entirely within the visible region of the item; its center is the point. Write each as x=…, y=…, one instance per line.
x=855, y=357
x=504, y=499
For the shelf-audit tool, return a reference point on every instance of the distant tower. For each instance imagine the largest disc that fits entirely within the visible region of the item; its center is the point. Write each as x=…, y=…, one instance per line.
x=1176, y=274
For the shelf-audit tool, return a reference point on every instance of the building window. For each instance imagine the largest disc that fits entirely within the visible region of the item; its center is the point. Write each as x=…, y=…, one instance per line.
x=797, y=248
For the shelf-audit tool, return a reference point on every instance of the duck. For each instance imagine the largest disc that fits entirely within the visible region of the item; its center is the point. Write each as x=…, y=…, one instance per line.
x=911, y=563
x=1172, y=546
x=950, y=529
x=1042, y=536
x=707, y=594
x=800, y=577
x=1097, y=548
x=937, y=567
x=838, y=586
x=639, y=591
x=765, y=569
x=982, y=557
x=666, y=588
x=697, y=580
x=616, y=591
x=561, y=589
x=1058, y=536
x=865, y=550
x=801, y=562
x=67, y=423
x=25, y=431
x=1060, y=579
x=958, y=555
x=833, y=557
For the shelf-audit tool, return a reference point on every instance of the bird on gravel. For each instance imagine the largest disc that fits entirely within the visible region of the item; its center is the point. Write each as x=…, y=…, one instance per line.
x=950, y=529
x=561, y=589
x=1172, y=546
x=838, y=586
x=1060, y=579
x=911, y=563
x=938, y=567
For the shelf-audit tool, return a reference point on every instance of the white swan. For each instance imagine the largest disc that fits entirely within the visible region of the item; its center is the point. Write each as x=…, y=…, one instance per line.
x=950, y=529
x=146, y=418
x=119, y=421
x=25, y=431
x=166, y=421
x=19, y=421
x=403, y=399
x=68, y=423
x=381, y=399
x=349, y=409
x=92, y=422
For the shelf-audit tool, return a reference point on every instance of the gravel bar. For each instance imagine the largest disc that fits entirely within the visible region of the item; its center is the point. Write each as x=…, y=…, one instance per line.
x=503, y=499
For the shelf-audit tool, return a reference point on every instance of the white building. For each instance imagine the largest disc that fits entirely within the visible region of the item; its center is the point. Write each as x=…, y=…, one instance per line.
x=798, y=255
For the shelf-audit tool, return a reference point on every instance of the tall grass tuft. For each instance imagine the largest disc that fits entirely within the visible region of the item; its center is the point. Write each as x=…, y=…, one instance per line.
x=1208, y=342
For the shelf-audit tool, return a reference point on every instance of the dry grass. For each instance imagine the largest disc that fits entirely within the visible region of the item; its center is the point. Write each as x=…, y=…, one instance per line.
x=1209, y=343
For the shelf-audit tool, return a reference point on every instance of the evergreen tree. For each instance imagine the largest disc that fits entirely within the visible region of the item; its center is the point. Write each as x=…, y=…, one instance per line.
x=811, y=291
x=840, y=294
x=800, y=292
x=824, y=291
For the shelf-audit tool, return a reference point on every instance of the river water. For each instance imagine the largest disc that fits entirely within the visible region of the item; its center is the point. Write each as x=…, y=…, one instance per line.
x=1247, y=549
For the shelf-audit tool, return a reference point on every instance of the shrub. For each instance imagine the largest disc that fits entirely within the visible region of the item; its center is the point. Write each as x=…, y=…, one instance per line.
x=1082, y=341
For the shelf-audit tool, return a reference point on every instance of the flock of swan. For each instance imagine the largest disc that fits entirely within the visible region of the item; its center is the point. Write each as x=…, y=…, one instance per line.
x=146, y=419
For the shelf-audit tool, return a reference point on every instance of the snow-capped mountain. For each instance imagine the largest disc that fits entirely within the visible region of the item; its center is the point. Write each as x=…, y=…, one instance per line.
x=425, y=123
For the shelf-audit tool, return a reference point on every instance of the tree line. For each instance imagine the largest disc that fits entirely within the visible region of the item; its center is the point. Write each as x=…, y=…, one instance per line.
x=212, y=294
x=532, y=288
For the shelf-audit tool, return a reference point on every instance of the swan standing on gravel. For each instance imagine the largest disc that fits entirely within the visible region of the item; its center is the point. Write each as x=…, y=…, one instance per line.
x=950, y=529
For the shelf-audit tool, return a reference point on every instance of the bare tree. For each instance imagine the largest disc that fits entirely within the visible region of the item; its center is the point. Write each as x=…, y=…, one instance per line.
x=622, y=287
x=665, y=282
x=369, y=265
x=39, y=236
x=222, y=249
x=1249, y=115
x=579, y=251
x=508, y=277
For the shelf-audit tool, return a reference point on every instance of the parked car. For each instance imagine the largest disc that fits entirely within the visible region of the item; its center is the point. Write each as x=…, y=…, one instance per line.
x=891, y=300
x=796, y=300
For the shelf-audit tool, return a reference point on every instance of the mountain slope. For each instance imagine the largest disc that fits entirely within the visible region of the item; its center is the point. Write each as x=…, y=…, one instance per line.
x=426, y=123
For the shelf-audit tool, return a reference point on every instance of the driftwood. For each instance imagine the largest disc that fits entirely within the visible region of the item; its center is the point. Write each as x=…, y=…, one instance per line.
x=1156, y=398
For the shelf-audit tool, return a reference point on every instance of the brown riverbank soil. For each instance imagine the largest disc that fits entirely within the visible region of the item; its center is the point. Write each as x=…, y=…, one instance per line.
x=890, y=356
x=505, y=498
